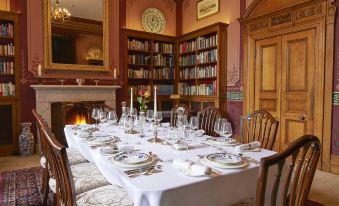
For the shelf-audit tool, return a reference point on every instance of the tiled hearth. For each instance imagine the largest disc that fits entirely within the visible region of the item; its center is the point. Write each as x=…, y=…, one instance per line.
x=47, y=94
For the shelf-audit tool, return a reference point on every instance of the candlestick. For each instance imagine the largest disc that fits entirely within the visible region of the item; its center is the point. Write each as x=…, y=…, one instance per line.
x=155, y=100
x=39, y=70
x=131, y=104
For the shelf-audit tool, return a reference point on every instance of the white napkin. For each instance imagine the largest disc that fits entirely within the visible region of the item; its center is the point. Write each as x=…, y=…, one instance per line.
x=108, y=150
x=165, y=124
x=194, y=168
x=251, y=145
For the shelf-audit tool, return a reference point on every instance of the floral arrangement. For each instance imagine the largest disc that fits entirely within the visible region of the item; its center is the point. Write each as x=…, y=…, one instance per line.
x=94, y=53
x=143, y=99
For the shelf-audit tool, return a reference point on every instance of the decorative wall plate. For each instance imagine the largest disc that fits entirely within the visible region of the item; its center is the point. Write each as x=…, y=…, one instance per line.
x=153, y=20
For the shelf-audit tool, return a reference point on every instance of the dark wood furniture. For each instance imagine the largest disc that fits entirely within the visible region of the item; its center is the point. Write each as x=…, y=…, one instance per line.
x=149, y=62
x=9, y=77
x=202, y=67
x=207, y=118
x=42, y=125
x=259, y=126
x=174, y=114
x=302, y=156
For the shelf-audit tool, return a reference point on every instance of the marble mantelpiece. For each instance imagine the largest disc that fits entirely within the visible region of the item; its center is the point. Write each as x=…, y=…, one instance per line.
x=47, y=94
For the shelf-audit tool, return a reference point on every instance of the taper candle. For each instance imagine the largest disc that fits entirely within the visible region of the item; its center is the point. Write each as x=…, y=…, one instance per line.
x=131, y=104
x=155, y=100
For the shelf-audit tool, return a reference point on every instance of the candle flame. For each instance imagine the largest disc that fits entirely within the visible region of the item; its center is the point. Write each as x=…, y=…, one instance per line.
x=80, y=119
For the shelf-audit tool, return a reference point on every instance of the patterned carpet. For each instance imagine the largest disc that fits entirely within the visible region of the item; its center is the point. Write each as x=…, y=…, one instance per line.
x=21, y=187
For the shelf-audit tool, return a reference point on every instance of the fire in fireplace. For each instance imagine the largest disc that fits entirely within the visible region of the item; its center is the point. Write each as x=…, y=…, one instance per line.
x=71, y=113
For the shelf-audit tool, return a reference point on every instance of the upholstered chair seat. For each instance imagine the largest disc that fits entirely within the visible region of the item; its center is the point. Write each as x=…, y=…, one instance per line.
x=75, y=157
x=86, y=176
x=110, y=195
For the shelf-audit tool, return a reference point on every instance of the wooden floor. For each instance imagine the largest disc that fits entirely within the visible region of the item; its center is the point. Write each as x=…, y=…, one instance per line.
x=325, y=187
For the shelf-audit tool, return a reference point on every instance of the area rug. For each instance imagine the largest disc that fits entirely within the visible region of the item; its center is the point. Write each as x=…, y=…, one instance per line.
x=21, y=187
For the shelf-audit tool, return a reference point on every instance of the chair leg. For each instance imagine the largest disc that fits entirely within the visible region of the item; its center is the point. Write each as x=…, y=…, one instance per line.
x=45, y=186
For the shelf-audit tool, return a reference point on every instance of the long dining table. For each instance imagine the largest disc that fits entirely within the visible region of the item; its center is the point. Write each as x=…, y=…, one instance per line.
x=170, y=187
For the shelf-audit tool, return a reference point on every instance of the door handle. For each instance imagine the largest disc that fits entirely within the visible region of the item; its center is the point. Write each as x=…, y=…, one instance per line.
x=302, y=117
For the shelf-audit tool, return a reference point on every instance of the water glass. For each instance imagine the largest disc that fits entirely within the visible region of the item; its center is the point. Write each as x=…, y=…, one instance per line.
x=112, y=116
x=95, y=115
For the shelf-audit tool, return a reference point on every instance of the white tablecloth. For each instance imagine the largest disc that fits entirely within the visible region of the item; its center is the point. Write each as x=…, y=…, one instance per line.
x=169, y=187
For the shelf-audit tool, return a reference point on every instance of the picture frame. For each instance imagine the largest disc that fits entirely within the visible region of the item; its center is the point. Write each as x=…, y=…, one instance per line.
x=206, y=8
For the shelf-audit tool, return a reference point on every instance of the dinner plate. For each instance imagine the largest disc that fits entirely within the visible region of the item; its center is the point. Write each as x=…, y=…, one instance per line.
x=133, y=160
x=222, y=141
x=224, y=158
x=241, y=164
x=103, y=139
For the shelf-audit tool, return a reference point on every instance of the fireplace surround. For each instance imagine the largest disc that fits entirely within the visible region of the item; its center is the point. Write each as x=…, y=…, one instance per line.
x=47, y=95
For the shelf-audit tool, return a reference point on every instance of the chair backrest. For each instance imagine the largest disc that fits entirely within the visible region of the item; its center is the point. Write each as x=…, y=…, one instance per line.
x=207, y=118
x=40, y=123
x=296, y=165
x=259, y=126
x=174, y=114
x=60, y=169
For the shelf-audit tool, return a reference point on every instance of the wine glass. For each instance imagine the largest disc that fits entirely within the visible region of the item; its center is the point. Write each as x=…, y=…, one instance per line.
x=132, y=112
x=95, y=115
x=158, y=117
x=149, y=115
x=127, y=126
x=218, y=125
x=226, y=129
x=194, y=123
x=102, y=116
x=112, y=116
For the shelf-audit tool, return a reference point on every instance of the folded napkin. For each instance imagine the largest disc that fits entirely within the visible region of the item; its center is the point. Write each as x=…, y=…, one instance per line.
x=199, y=132
x=108, y=150
x=251, y=145
x=165, y=124
x=194, y=168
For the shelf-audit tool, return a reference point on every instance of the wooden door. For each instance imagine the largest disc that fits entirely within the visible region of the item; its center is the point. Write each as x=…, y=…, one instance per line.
x=297, y=91
x=268, y=77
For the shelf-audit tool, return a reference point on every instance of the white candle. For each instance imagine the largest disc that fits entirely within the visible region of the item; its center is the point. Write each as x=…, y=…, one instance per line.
x=39, y=70
x=131, y=104
x=155, y=100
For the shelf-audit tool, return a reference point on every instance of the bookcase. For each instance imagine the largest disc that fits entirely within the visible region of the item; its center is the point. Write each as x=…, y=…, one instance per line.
x=202, y=73
x=9, y=82
x=150, y=61
x=192, y=65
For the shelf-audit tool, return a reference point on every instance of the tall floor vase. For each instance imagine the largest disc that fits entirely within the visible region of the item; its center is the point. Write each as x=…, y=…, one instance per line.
x=26, y=140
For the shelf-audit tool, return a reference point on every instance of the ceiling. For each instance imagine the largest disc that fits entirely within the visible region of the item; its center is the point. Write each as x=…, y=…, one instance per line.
x=87, y=9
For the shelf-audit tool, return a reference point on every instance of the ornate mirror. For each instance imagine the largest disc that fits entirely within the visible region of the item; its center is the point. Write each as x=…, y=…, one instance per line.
x=76, y=35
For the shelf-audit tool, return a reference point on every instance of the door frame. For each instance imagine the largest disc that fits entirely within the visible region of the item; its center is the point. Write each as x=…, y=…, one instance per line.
x=276, y=19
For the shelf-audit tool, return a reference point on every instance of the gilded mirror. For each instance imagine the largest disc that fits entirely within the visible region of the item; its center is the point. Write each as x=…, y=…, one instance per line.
x=76, y=35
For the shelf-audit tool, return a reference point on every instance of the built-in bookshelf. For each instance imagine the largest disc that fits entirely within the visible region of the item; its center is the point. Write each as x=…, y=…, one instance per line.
x=9, y=82
x=201, y=76
x=150, y=62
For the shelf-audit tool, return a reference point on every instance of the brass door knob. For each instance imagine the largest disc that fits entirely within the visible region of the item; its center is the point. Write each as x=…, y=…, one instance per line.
x=302, y=117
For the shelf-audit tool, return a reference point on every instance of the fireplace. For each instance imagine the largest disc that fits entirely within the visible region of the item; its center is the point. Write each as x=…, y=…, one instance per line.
x=64, y=113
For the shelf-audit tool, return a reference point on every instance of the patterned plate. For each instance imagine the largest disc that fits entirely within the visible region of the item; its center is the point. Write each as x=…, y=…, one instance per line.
x=132, y=158
x=224, y=158
x=223, y=141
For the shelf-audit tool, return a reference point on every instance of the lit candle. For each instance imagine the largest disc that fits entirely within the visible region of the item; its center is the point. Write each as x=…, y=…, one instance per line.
x=131, y=104
x=155, y=100
x=39, y=70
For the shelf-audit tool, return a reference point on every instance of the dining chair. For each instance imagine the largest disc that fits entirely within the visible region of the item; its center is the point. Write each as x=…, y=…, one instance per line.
x=207, y=118
x=295, y=165
x=259, y=126
x=68, y=192
x=174, y=114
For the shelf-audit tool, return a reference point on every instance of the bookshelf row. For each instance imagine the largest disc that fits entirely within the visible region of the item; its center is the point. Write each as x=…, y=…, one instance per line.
x=7, y=68
x=7, y=49
x=145, y=46
x=7, y=89
x=164, y=73
x=198, y=72
x=199, y=43
x=200, y=89
x=6, y=30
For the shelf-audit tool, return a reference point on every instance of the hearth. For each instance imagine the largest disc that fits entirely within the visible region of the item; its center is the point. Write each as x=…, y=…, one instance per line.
x=64, y=113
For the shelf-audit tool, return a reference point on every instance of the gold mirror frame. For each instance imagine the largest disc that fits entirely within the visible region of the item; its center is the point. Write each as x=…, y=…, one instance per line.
x=49, y=65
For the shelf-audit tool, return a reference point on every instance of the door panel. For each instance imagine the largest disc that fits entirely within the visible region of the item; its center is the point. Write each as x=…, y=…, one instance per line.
x=267, y=75
x=297, y=85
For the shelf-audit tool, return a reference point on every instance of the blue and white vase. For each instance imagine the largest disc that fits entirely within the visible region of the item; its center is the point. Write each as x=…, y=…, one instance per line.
x=26, y=140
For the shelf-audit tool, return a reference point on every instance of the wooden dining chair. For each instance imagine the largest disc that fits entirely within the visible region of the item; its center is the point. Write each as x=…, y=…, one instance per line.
x=174, y=114
x=259, y=126
x=207, y=118
x=296, y=165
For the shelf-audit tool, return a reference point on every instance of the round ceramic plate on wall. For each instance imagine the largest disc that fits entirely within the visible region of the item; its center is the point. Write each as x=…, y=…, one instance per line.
x=153, y=20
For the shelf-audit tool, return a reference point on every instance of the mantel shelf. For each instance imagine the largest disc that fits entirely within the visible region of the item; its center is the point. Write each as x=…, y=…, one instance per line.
x=74, y=87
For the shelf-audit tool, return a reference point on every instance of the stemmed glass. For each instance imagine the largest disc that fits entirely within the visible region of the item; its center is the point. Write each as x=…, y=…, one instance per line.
x=226, y=129
x=219, y=125
x=95, y=115
x=150, y=116
x=102, y=116
x=158, y=117
x=127, y=126
x=112, y=116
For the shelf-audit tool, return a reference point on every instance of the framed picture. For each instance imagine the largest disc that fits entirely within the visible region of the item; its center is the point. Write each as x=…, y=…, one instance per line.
x=207, y=8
